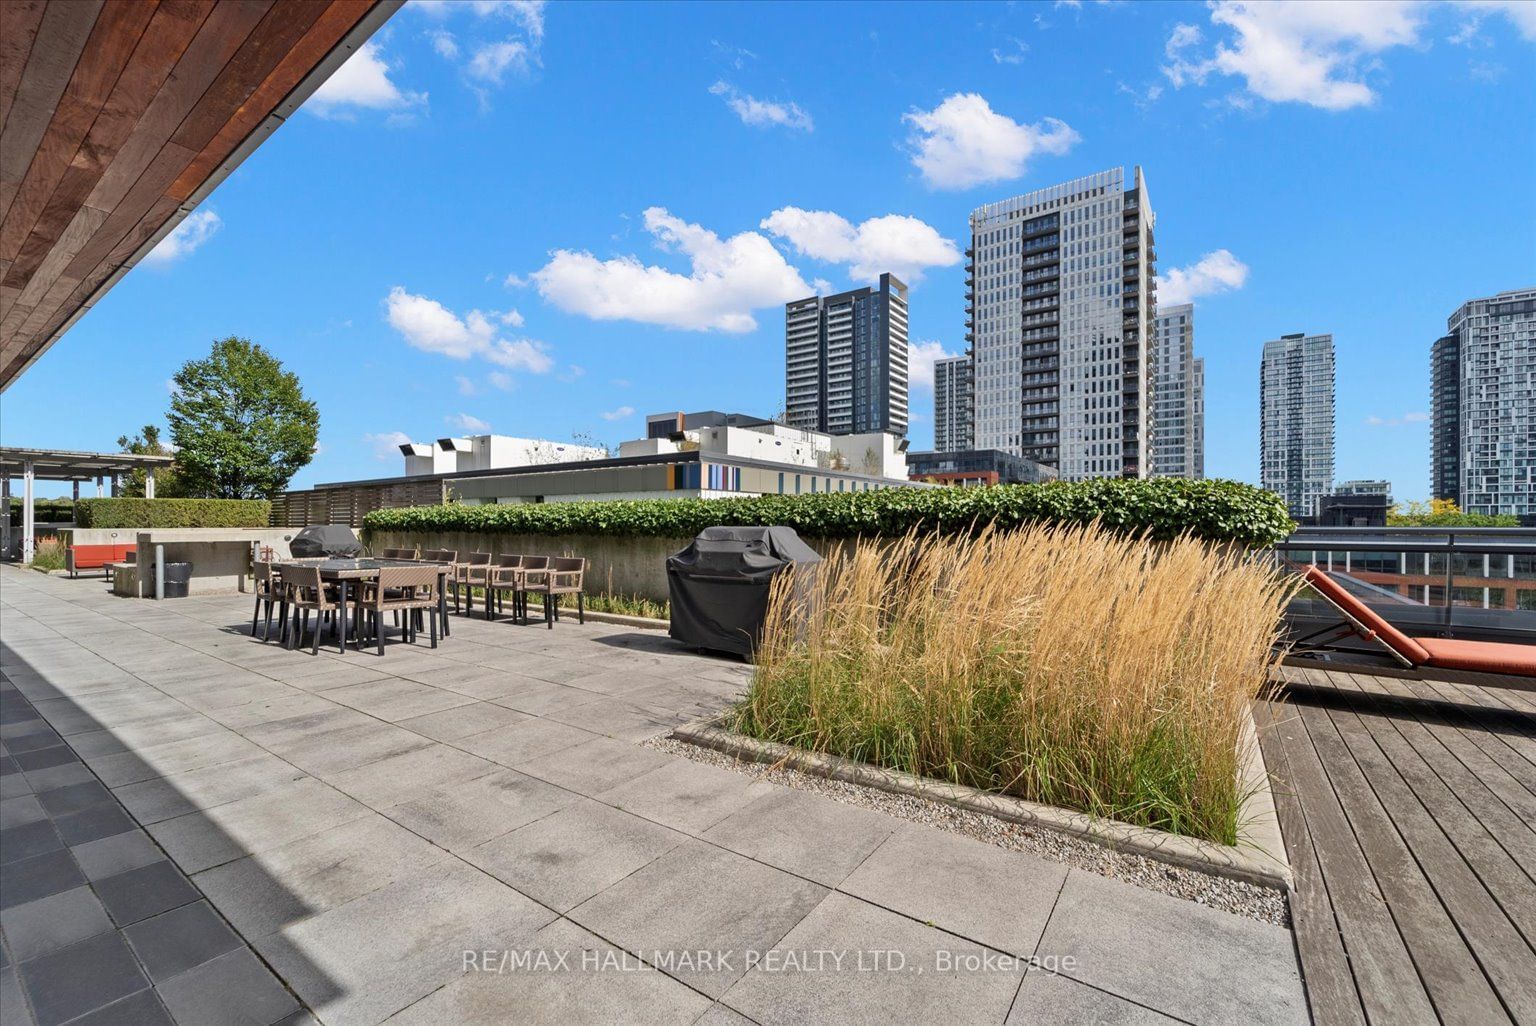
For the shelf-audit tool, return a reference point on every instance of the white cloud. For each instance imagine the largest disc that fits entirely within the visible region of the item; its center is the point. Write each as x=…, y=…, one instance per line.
x=1314, y=52
x=466, y=386
x=386, y=445
x=921, y=357
x=429, y=326
x=1486, y=71
x=619, y=414
x=727, y=280
x=444, y=43
x=362, y=82
x=1521, y=13
x=502, y=380
x=511, y=319
x=489, y=55
x=1213, y=273
x=963, y=142
x=763, y=113
x=1011, y=56
x=620, y=382
x=194, y=230
x=492, y=60
x=1407, y=418
x=467, y=424
x=1318, y=52
x=902, y=245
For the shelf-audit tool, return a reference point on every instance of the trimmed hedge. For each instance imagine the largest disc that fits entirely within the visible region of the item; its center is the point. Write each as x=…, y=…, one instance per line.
x=47, y=511
x=1161, y=508
x=147, y=513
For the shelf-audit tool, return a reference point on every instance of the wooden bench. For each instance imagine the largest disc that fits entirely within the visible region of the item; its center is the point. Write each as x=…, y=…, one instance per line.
x=95, y=557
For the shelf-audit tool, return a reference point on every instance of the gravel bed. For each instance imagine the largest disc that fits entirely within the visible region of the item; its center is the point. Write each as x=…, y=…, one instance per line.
x=1265, y=904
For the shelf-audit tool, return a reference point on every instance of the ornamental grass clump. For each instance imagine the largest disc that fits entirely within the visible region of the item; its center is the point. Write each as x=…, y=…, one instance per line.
x=1066, y=665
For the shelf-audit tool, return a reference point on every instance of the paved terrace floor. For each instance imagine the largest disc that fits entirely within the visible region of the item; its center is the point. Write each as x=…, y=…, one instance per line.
x=359, y=823
x=1407, y=808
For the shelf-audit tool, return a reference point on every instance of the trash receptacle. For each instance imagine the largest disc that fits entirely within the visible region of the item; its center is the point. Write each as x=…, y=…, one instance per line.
x=719, y=584
x=177, y=577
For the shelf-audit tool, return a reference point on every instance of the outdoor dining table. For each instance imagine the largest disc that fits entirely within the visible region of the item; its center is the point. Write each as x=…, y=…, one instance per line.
x=342, y=571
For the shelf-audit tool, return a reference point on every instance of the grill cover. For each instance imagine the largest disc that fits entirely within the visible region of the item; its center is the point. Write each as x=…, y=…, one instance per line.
x=326, y=540
x=719, y=584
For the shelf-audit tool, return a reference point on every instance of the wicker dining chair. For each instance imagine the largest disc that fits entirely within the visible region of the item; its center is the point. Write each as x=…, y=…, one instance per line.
x=503, y=578
x=530, y=569
x=469, y=575
x=269, y=593
x=399, y=554
x=305, y=592
x=563, y=577
x=411, y=590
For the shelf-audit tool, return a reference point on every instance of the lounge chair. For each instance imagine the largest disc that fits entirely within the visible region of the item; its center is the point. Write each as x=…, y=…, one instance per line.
x=1413, y=653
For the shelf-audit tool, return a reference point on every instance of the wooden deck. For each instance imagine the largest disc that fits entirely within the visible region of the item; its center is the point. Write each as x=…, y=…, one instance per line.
x=1407, y=808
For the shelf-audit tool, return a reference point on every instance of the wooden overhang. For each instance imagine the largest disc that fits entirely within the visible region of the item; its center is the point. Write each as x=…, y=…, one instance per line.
x=118, y=117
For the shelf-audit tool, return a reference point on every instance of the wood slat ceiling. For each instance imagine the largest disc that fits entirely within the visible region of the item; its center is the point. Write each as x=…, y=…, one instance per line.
x=117, y=118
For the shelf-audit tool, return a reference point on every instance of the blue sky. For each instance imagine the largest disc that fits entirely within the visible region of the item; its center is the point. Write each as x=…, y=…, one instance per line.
x=557, y=218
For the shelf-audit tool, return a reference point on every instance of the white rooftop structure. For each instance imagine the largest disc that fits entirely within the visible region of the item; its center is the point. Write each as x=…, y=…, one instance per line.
x=491, y=452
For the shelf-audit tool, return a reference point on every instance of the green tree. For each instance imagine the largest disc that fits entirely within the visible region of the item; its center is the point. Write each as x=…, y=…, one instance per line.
x=241, y=425
x=168, y=483
x=1444, y=513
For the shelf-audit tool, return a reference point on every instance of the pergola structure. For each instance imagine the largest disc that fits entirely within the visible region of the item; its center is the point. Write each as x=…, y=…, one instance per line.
x=63, y=465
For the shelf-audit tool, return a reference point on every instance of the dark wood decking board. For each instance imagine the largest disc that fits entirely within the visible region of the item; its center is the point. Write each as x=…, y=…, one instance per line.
x=1406, y=810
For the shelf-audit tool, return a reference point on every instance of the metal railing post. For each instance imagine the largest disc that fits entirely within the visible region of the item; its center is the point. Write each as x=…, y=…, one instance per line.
x=1450, y=575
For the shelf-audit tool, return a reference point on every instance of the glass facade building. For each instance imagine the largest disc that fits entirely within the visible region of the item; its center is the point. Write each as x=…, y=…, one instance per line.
x=1178, y=396
x=952, y=404
x=1445, y=418
x=1059, y=304
x=845, y=361
x=1296, y=392
x=1485, y=402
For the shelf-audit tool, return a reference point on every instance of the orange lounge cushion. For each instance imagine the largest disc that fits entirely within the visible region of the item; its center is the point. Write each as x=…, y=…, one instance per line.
x=86, y=557
x=1412, y=649
x=1481, y=656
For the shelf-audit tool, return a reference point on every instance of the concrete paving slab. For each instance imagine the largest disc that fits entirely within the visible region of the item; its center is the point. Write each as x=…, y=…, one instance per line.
x=264, y=893
x=699, y=898
x=387, y=782
x=994, y=897
x=687, y=796
x=1047, y=997
x=568, y=856
x=595, y=766
x=1193, y=963
x=452, y=724
x=151, y=801
x=234, y=987
x=54, y=922
x=369, y=958
x=913, y=974
x=524, y=740
x=804, y=834
x=461, y=815
x=394, y=699
x=207, y=838
x=585, y=992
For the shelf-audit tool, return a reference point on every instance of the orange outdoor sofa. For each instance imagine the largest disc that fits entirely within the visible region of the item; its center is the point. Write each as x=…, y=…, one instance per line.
x=1444, y=653
x=95, y=557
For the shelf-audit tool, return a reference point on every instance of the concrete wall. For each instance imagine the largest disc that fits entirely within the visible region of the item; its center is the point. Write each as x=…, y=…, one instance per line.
x=220, y=556
x=615, y=564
